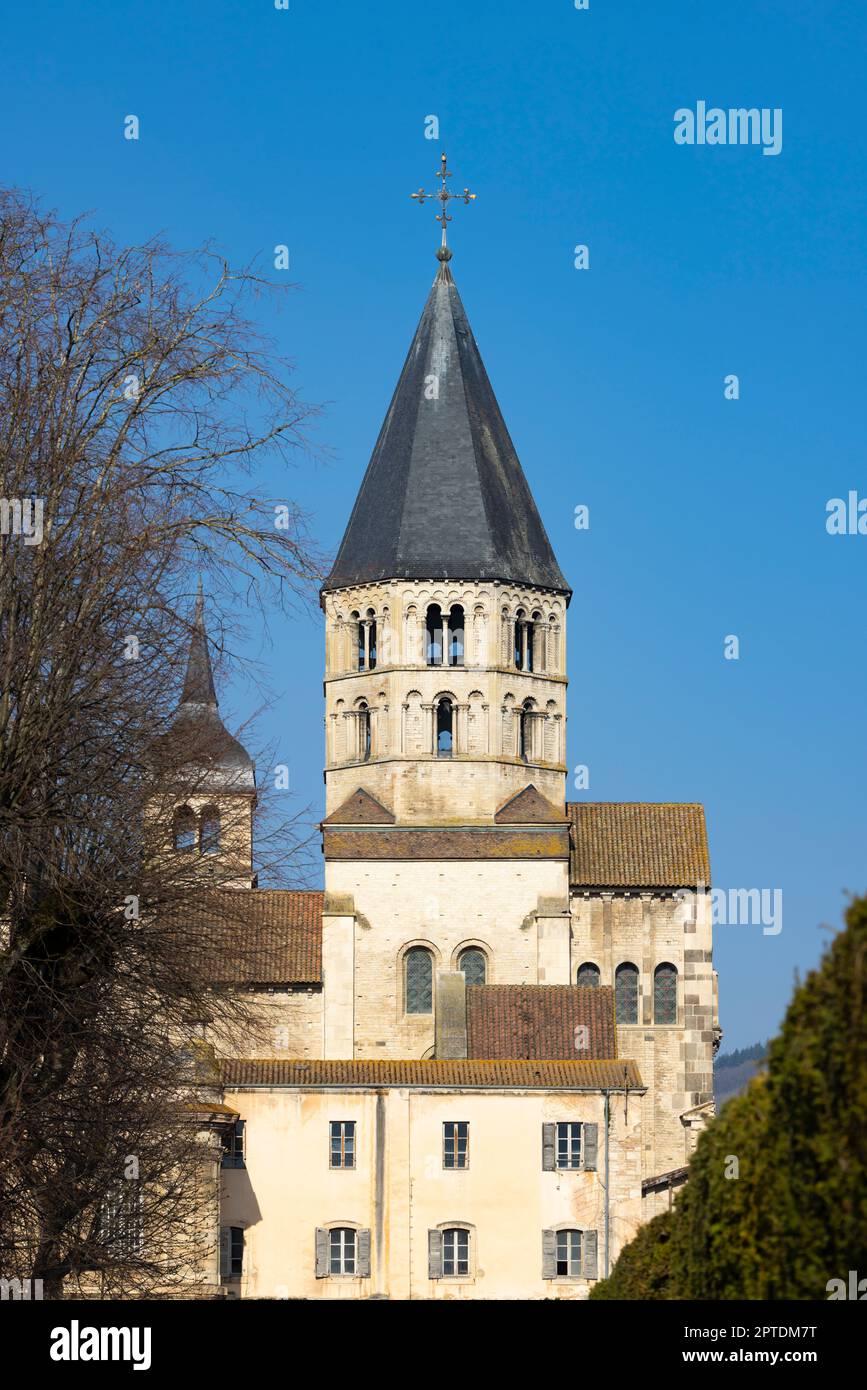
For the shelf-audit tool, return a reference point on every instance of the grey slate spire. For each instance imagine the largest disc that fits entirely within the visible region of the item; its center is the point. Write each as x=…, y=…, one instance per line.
x=199, y=680
x=198, y=737
x=444, y=496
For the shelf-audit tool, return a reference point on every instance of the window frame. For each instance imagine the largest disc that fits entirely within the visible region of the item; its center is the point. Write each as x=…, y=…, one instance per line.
x=619, y=972
x=456, y=1232
x=234, y=1146
x=570, y=1141
x=234, y=1254
x=454, y=1139
x=405, y=963
x=346, y=1136
x=472, y=950
x=342, y=1232
x=589, y=965
x=569, y=1231
x=666, y=1022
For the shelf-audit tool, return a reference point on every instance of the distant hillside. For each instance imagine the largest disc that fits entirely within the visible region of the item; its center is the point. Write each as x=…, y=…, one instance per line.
x=732, y=1070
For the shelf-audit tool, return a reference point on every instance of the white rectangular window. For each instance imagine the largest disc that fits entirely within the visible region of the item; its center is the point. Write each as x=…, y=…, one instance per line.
x=342, y=1149
x=456, y=1252
x=342, y=1250
x=569, y=1254
x=568, y=1145
x=456, y=1144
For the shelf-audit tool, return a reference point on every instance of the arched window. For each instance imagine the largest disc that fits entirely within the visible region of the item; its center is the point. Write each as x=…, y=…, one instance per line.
x=371, y=639
x=472, y=962
x=553, y=642
x=538, y=637
x=184, y=830
x=418, y=964
x=456, y=636
x=665, y=993
x=525, y=731
x=525, y=656
x=626, y=993
x=363, y=730
x=588, y=974
x=434, y=636
x=445, y=728
x=358, y=627
x=520, y=625
x=209, y=834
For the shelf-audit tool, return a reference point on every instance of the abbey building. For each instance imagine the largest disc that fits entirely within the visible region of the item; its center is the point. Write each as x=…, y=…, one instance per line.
x=487, y=1045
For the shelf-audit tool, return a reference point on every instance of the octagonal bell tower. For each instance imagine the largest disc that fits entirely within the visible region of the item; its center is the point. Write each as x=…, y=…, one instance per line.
x=445, y=611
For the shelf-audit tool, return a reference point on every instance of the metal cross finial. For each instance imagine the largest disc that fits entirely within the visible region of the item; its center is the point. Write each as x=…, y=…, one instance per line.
x=444, y=198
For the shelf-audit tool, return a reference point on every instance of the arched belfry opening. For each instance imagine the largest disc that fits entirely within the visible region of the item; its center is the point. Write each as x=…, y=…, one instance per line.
x=445, y=721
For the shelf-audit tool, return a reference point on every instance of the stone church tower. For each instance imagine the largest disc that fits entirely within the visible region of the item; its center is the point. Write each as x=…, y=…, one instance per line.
x=445, y=709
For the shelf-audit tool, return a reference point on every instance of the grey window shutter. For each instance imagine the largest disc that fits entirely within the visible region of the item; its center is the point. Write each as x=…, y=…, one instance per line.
x=590, y=1136
x=589, y=1258
x=321, y=1252
x=549, y=1255
x=434, y=1254
x=225, y=1239
x=364, y=1254
x=548, y=1141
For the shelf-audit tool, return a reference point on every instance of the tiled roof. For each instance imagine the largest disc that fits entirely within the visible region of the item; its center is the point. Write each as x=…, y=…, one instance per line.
x=259, y=936
x=543, y=1075
x=567, y=1021
x=361, y=808
x=638, y=844
x=527, y=805
x=417, y=842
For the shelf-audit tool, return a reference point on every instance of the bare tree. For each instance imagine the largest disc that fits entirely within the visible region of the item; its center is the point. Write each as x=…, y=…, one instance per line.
x=137, y=402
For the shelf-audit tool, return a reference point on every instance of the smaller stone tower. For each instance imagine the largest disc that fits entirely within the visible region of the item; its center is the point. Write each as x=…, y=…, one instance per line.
x=207, y=777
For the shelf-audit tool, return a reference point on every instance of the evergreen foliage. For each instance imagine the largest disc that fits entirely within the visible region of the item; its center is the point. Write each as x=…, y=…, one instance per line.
x=776, y=1202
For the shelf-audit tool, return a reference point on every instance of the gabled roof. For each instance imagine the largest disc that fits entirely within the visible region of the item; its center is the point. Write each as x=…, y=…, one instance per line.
x=526, y=807
x=258, y=936
x=640, y=844
x=444, y=496
x=566, y=1021
x=360, y=809
x=450, y=1075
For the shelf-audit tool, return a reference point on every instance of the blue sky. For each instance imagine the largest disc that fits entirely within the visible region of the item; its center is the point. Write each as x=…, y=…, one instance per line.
x=306, y=127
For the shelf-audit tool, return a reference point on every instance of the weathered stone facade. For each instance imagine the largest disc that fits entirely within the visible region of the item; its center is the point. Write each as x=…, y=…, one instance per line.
x=399, y=684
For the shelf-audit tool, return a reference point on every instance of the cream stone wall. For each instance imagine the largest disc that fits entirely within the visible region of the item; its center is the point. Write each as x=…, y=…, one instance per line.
x=282, y=1023
x=402, y=691
x=231, y=866
x=447, y=906
x=399, y=1189
x=676, y=1060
